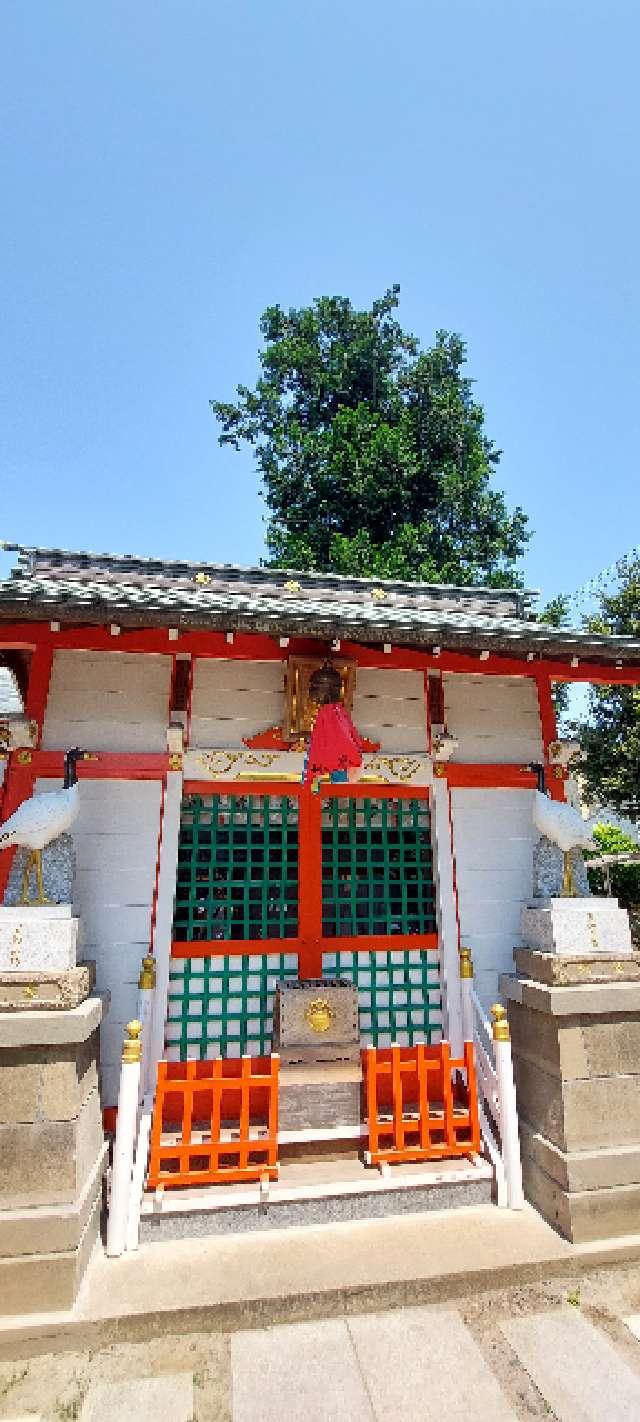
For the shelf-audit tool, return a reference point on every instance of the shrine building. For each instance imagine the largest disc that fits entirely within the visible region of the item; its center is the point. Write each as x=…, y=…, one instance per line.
x=190, y=687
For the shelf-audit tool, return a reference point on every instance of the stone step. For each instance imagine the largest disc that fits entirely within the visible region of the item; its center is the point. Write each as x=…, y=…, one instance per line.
x=315, y=1192
x=407, y=1365
x=580, y=1374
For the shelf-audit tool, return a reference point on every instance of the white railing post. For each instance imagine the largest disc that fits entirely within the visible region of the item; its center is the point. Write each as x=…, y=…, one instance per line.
x=146, y=988
x=125, y=1140
x=509, y=1133
x=466, y=990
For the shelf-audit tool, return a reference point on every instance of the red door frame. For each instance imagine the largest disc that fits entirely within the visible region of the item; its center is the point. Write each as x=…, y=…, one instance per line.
x=310, y=941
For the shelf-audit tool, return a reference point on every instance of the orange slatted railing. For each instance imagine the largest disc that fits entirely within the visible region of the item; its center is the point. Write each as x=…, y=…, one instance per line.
x=214, y=1122
x=422, y=1103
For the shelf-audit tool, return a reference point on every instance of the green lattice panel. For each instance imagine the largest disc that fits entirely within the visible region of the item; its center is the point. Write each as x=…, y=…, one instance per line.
x=237, y=872
x=399, y=995
x=223, y=1007
x=377, y=870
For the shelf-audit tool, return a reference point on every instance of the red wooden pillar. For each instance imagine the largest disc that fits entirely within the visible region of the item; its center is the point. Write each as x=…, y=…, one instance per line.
x=20, y=777
x=554, y=774
x=310, y=884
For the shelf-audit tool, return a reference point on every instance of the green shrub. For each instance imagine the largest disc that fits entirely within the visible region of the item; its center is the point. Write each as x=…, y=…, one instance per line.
x=624, y=878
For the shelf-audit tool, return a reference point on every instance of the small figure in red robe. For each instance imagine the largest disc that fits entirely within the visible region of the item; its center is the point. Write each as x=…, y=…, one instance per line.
x=335, y=744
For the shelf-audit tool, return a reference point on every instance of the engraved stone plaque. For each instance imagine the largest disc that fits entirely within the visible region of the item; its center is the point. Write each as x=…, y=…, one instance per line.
x=38, y=939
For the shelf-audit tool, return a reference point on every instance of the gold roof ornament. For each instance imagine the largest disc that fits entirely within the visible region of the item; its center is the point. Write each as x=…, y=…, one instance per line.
x=202, y=578
x=292, y=585
x=378, y=594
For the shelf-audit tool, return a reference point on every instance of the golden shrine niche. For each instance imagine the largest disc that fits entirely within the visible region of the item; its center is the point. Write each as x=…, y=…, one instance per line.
x=301, y=704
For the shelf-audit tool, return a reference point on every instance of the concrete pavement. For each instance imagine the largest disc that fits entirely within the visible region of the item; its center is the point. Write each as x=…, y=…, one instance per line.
x=504, y=1358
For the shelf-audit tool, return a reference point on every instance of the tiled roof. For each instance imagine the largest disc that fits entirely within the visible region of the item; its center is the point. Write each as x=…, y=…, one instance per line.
x=87, y=587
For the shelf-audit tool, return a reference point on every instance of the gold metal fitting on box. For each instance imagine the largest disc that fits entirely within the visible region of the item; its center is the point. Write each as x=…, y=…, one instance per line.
x=319, y=1015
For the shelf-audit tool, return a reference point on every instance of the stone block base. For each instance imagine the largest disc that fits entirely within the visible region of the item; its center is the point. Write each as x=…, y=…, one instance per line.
x=575, y=1040
x=48, y=992
x=52, y=1155
x=45, y=1250
x=320, y=1097
x=585, y=1195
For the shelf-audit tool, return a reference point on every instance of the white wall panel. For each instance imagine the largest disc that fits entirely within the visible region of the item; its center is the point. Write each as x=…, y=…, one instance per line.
x=495, y=718
x=232, y=699
x=109, y=701
x=389, y=707
x=493, y=836
x=116, y=843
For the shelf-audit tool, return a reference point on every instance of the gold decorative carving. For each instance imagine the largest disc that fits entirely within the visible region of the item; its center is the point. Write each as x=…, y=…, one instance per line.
x=319, y=1015
x=24, y=757
x=222, y=762
x=399, y=767
x=175, y=761
x=291, y=585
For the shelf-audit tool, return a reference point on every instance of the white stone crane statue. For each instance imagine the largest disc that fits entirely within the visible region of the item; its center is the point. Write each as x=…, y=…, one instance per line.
x=564, y=826
x=40, y=820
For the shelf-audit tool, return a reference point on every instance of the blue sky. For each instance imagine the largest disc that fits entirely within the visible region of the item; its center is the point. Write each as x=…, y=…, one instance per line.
x=170, y=169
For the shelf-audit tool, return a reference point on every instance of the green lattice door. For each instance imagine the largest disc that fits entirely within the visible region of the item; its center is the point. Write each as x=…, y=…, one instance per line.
x=285, y=882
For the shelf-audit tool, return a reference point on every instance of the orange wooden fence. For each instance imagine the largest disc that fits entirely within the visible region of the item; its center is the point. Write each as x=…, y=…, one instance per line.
x=215, y=1122
x=422, y=1103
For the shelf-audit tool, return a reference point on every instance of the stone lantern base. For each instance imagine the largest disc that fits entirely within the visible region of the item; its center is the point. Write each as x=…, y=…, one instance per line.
x=575, y=1033
x=52, y=1153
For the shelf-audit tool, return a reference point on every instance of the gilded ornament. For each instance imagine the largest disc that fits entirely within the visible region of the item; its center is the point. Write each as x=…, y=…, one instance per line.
x=24, y=757
x=500, y=1024
x=378, y=594
x=132, y=1047
x=319, y=1015
x=291, y=586
x=202, y=578
x=175, y=761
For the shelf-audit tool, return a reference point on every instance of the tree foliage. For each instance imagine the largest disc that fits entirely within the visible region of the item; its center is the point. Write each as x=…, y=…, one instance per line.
x=372, y=451
x=624, y=879
x=611, y=736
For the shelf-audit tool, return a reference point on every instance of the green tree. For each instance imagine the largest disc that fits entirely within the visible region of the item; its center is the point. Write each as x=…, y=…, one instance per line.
x=372, y=451
x=611, y=735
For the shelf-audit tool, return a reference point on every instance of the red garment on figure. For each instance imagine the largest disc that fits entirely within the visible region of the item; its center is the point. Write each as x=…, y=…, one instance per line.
x=335, y=743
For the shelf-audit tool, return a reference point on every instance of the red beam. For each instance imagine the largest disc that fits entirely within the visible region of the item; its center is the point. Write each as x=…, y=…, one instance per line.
x=253, y=646
x=487, y=777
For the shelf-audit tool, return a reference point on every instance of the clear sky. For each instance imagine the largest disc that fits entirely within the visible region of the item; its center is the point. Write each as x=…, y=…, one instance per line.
x=169, y=169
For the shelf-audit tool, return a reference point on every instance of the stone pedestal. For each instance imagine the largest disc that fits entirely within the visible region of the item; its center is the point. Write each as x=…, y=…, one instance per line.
x=52, y=1154
x=576, y=927
x=38, y=940
x=575, y=1033
x=316, y=1033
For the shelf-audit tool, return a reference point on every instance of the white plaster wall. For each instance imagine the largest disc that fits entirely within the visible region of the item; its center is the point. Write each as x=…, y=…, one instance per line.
x=495, y=718
x=116, y=844
x=232, y=699
x=493, y=839
x=389, y=707
x=108, y=701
